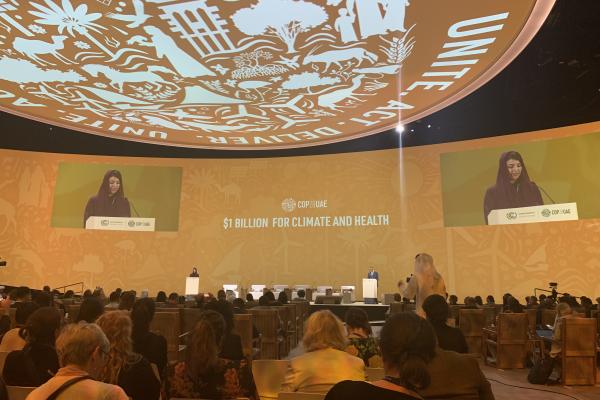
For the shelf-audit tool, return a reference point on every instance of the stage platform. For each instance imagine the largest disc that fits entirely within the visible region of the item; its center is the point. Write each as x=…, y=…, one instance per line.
x=376, y=312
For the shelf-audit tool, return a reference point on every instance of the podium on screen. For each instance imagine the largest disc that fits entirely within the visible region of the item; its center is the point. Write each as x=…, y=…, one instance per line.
x=120, y=224
x=527, y=215
x=370, y=291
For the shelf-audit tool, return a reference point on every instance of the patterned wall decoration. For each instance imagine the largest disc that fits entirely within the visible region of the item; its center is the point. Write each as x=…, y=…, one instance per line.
x=403, y=185
x=251, y=74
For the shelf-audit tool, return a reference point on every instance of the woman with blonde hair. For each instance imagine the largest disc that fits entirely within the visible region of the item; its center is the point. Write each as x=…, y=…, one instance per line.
x=125, y=368
x=204, y=374
x=425, y=281
x=325, y=362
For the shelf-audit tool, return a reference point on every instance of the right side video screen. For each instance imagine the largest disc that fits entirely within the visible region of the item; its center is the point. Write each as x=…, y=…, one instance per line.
x=542, y=181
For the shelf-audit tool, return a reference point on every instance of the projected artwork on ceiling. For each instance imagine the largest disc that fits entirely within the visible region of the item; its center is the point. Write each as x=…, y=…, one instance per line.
x=256, y=74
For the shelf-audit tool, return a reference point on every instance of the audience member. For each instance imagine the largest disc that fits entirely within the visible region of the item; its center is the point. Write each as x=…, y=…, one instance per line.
x=89, y=311
x=563, y=311
x=113, y=301
x=282, y=298
x=362, y=344
x=20, y=295
x=490, y=300
x=470, y=303
x=425, y=281
x=43, y=299
x=12, y=340
x=82, y=351
x=87, y=293
x=46, y=288
x=231, y=347
x=324, y=342
x=124, y=368
x=3, y=391
x=532, y=302
x=514, y=306
x=127, y=300
x=407, y=343
x=478, y=301
x=221, y=295
x=239, y=306
x=203, y=374
x=150, y=345
x=453, y=300
x=437, y=313
x=37, y=361
x=173, y=300
x=301, y=295
x=161, y=297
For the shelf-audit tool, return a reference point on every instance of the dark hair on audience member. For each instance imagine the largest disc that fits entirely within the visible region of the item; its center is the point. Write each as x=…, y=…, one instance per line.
x=301, y=293
x=46, y=288
x=127, y=300
x=142, y=313
x=224, y=308
x=490, y=299
x=87, y=293
x=249, y=297
x=478, y=300
x=23, y=311
x=514, y=305
x=221, y=295
x=91, y=308
x=263, y=300
x=22, y=292
x=41, y=326
x=43, y=299
x=269, y=295
x=282, y=298
x=542, y=297
x=407, y=344
x=436, y=309
x=204, y=343
x=181, y=300
x=453, y=299
x=238, y=303
x=358, y=318
x=113, y=297
x=68, y=294
x=174, y=297
x=161, y=297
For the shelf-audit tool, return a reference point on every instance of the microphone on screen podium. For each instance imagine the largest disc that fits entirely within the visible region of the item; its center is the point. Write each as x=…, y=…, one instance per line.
x=546, y=193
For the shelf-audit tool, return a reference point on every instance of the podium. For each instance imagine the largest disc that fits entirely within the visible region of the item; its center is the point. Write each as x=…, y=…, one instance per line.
x=370, y=291
x=527, y=215
x=192, y=285
x=120, y=224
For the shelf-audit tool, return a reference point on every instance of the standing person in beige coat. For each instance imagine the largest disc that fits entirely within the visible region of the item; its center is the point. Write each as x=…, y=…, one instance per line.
x=425, y=281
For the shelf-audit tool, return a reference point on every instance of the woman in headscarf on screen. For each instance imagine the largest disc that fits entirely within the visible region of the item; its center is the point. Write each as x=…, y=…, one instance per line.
x=513, y=187
x=110, y=200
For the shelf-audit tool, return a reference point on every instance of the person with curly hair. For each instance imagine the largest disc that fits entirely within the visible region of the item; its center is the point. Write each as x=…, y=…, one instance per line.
x=124, y=368
x=204, y=374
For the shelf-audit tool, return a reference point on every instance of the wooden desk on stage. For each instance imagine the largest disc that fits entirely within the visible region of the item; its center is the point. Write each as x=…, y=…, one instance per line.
x=375, y=312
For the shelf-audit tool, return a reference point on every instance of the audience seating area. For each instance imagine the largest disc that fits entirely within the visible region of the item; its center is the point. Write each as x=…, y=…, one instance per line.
x=502, y=340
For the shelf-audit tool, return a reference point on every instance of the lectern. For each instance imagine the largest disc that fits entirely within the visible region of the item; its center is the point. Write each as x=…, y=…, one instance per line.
x=192, y=285
x=370, y=291
x=526, y=215
x=120, y=224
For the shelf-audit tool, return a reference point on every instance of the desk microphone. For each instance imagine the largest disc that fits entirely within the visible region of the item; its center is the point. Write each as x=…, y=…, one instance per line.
x=134, y=209
x=547, y=195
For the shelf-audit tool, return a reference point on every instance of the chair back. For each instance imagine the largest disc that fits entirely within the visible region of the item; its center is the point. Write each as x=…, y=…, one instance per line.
x=531, y=319
x=301, y=396
x=512, y=340
x=578, y=338
x=73, y=311
x=267, y=322
x=269, y=376
x=242, y=325
x=3, y=355
x=471, y=323
x=374, y=374
x=490, y=315
x=18, y=392
x=454, y=311
x=167, y=324
x=189, y=318
x=548, y=317
x=396, y=307
x=12, y=314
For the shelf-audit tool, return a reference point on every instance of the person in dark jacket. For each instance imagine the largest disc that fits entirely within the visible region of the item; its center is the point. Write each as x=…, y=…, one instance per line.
x=437, y=312
x=152, y=346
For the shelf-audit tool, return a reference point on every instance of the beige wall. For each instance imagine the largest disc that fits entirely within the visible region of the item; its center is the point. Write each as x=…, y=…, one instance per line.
x=405, y=184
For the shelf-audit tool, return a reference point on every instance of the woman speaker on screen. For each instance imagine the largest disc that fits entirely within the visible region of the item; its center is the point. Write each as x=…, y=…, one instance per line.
x=110, y=200
x=513, y=187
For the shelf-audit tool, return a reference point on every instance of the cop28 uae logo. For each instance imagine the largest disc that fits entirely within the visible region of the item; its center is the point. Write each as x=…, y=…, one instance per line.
x=251, y=74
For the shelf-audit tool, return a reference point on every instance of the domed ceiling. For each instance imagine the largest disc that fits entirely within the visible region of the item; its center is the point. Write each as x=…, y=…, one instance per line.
x=257, y=74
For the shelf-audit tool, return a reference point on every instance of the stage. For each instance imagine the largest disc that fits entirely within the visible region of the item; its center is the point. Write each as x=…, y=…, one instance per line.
x=375, y=312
